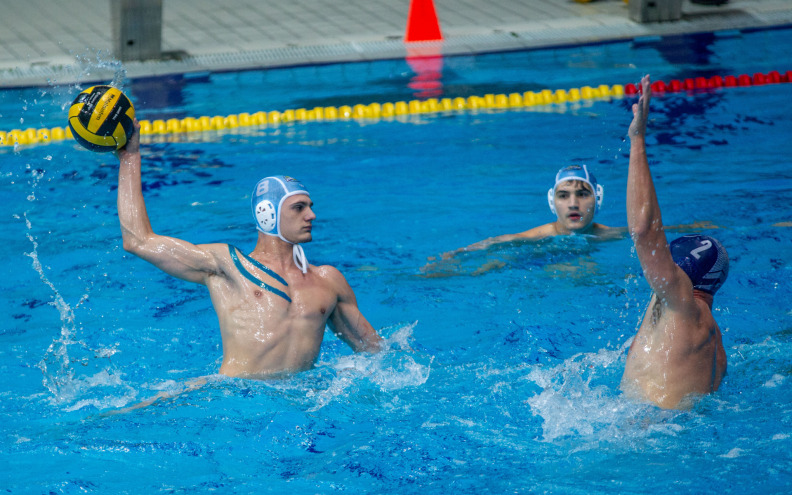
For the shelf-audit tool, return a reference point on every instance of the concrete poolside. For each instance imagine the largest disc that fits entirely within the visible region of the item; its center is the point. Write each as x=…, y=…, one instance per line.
x=48, y=43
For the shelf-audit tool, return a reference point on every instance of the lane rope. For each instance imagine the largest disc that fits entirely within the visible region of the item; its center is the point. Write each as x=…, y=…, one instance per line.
x=174, y=128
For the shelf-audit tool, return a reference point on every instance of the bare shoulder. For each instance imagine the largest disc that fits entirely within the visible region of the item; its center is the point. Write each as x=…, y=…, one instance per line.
x=334, y=281
x=215, y=247
x=703, y=315
x=327, y=271
x=185, y=260
x=700, y=323
x=604, y=232
x=330, y=275
x=695, y=319
x=217, y=250
x=540, y=232
x=219, y=253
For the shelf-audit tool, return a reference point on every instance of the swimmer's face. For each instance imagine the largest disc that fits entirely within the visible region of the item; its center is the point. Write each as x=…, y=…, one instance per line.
x=575, y=205
x=296, y=217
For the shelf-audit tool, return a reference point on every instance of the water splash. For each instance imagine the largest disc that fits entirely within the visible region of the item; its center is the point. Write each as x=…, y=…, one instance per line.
x=580, y=399
x=397, y=367
x=93, y=66
x=98, y=61
x=109, y=380
x=57, y=363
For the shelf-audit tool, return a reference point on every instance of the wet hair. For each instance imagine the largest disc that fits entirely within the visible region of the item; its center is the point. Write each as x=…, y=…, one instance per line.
x=578, y=182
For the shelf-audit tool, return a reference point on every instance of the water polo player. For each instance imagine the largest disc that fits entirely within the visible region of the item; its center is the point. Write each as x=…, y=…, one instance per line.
x=678, y=352
x=574, y=199
x=272, y=306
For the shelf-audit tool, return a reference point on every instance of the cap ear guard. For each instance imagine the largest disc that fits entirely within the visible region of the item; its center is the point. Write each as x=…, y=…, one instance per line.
x=599, y=193
x=551, y=199
x=265, y=216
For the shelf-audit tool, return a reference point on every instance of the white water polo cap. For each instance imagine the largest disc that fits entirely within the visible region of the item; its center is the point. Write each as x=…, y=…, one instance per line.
x=703, y=259
x=266, y=201
x=576, y=172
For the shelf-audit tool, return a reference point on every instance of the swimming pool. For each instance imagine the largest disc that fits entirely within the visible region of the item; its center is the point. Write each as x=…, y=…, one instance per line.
x=500, y=382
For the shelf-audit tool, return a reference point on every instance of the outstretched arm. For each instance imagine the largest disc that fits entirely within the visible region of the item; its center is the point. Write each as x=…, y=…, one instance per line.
x=643, y=215
x=175, y=257
x=535, y=234
x=347, y=322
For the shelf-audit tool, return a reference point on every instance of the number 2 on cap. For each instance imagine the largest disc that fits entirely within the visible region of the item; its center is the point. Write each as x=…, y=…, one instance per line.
x=705, y=244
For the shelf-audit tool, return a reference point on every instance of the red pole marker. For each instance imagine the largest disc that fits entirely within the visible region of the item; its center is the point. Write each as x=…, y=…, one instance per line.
x=422, y=23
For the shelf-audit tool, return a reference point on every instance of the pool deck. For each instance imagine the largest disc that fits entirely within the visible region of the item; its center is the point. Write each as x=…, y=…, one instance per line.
x=44, y=43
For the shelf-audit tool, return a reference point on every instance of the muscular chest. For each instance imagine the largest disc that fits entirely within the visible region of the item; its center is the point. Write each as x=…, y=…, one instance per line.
x=304, y=300
x=255, y=288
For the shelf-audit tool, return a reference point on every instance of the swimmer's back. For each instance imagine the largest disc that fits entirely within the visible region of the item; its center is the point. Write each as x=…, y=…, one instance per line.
x=674, y=356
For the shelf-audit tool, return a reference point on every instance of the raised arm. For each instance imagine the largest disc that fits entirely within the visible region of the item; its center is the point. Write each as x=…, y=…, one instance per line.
x=175, y=257
x=644, y=221
x=346, y=321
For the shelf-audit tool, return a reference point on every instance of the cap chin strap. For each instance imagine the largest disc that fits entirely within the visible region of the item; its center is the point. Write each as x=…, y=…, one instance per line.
x=298, y=255
x=264, y=212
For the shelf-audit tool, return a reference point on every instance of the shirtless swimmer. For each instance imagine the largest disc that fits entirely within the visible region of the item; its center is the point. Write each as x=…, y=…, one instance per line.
x=272, y=306
x=678, y=352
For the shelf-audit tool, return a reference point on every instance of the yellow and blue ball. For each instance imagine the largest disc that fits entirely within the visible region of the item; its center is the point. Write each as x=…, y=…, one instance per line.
x=101, y=118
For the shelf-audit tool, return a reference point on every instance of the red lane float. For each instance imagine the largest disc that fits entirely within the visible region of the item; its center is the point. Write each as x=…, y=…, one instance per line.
x=698, y=83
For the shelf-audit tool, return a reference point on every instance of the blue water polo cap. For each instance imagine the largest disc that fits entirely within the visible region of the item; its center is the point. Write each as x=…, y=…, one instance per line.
x=268, y=197
x=576, y=172
x=266, y=201
x=703, y=259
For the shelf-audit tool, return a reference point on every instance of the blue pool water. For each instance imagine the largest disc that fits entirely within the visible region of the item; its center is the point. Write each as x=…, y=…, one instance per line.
x=499, y=382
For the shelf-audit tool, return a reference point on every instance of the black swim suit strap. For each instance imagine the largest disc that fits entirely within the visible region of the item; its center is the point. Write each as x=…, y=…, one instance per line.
x=232, y=251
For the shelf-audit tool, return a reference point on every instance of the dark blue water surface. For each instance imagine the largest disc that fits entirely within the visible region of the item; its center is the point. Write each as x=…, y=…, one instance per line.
x=505, y=381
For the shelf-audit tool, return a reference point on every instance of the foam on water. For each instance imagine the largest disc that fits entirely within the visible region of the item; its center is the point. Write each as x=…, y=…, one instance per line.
x=396, y=367
x=579, y=401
